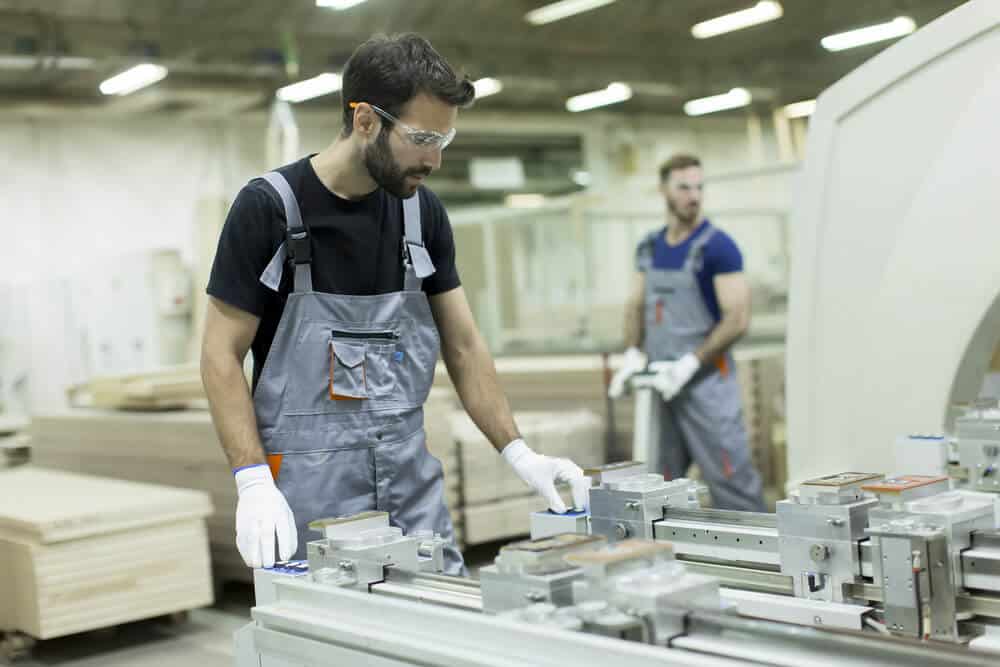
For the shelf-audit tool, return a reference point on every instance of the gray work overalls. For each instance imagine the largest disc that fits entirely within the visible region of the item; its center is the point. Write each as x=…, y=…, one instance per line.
x=704, y=421
x=339, y=401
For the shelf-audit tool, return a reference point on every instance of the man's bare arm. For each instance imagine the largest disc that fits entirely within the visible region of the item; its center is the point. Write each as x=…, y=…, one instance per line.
x=634, y=315
x=471, y=368
x=229, y=332
x=733, y=293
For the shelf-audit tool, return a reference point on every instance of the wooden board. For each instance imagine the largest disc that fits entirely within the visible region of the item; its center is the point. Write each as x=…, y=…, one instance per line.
x=40, y=506
x=503, y=519
x=166, y=388
x=181, y=449
x=83, y=552
x=486, y=477
x=178, y=449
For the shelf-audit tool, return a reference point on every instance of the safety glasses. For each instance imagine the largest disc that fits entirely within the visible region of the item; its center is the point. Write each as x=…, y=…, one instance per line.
x=419, y=138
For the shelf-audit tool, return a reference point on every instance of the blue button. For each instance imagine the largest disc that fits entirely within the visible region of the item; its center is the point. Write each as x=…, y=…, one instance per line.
x=398, y=356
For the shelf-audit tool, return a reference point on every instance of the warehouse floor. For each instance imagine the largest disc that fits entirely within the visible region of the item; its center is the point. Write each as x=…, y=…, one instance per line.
x=205, y=639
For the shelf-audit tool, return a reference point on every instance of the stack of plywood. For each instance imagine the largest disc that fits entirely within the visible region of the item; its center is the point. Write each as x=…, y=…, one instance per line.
x=164, y=389
x=13, y=447
x=438, y=409
x=571, y=382
x=495, y=502
x=181, y=449
x=83, y=552
x=762, y=379
x=177, y=449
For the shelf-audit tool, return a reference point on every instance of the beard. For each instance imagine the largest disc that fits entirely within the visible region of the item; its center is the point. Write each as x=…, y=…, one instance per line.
x=385, y=171
x=684, y=215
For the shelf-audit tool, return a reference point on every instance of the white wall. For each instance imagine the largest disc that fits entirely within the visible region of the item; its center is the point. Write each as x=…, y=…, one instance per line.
x=77, y=193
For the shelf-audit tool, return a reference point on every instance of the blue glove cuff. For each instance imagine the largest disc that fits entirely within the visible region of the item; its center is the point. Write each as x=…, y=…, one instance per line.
x=252, y=465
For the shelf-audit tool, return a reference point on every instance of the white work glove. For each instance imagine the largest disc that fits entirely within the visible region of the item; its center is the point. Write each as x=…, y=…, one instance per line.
x=262, y=512
x=542, y=472
x=672, y=378
x=635, y=362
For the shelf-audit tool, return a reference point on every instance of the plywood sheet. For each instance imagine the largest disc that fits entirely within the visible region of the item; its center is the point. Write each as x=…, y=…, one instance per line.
x=47, y=506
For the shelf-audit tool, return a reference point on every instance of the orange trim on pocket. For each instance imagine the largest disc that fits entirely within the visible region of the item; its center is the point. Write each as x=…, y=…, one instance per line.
x=338, y=397
x=274, y=463
x=722, y=363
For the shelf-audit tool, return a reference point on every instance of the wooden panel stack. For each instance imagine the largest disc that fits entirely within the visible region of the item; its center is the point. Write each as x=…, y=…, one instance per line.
x=177, y=449
x=83, y=552
x=762, y=380
x=164, y=389
x=181, y=449
x=577, y=382
x=495, y=502
x=440, y=406
x=13, y=446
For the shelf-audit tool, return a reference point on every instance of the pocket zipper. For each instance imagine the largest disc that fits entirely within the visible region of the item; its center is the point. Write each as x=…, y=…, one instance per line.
x=373, y=335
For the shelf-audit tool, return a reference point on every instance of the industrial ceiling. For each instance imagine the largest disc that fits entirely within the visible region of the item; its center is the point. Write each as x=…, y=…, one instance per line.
x=248, y=48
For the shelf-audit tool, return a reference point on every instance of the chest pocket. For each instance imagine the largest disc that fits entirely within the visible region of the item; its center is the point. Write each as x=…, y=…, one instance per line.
x=338, y=370
x=361, y=369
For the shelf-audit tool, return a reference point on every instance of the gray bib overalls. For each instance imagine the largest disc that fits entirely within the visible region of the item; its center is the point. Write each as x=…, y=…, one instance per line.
x=339, y=402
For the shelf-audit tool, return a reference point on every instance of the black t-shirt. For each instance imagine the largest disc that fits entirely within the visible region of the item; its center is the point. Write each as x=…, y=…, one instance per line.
x=356, y=248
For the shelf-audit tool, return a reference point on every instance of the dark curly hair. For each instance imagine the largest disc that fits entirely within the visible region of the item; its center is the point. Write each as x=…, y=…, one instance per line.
x=390, y=71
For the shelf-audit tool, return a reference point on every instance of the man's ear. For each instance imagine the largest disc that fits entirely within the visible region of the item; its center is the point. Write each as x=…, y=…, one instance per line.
x=365, y=120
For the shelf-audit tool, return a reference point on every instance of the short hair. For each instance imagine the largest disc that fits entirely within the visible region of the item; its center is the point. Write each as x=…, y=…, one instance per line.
x=678, y=161
x=389, y=71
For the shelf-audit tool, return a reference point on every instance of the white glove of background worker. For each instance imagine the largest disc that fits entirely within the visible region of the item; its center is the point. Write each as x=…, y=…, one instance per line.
x=635, y=362
x=542, y=472
x=672, y=379
x=262, y=512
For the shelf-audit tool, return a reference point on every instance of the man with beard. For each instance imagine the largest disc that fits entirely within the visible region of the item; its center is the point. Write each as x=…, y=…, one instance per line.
x=338, y=273
x=690, y=302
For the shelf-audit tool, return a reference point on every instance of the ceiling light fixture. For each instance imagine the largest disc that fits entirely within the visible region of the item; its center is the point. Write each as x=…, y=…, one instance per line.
x=762, y=12
x=563, y=9
x=736, y=97
x=46, y=62
x=800, y=109
x=324, y=84
x=133, y=79
x=613, y=94
x=899, y=26
x=339, y=5
x=486, y=87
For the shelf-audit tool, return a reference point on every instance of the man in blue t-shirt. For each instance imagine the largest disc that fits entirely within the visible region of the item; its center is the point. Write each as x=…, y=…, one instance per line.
x=690, y=302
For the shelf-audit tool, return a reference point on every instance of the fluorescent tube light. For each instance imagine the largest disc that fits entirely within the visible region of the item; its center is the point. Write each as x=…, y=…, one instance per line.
x=324, y=84
x=524, y=201
x=339, y=5
x=133, y=79
x=486, y=87
x=46, y=62
x=762, y=12
x=613, y=94
x=800, y=109
x=899, y=26
x=737, y=97
x=563, y=9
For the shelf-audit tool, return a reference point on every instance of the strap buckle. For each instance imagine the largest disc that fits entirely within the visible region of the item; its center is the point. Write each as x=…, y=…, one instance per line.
x=299, y=247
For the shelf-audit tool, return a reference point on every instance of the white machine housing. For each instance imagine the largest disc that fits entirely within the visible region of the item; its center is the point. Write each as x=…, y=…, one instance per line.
x=895, y=284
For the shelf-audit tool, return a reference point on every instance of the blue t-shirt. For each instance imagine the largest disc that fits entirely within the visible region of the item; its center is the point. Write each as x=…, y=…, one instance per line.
x=721, y=255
